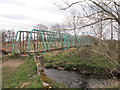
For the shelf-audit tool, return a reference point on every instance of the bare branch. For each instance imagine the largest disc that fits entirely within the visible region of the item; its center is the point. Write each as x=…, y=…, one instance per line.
x=70, y=5
x=95, y=22
x=91, y=23
x=115, y=18
x=117, y=4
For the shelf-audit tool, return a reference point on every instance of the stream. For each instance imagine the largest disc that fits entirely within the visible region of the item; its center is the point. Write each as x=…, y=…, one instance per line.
x=75, y=80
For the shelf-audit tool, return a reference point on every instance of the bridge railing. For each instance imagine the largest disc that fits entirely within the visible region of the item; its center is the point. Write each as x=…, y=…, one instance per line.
x=43, y=41
x=40, y=41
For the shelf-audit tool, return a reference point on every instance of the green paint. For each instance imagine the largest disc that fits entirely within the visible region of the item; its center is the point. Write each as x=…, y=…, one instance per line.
x=47, y=40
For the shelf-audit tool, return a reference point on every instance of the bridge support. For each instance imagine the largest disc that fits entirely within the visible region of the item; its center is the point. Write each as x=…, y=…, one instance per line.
x=39, y=60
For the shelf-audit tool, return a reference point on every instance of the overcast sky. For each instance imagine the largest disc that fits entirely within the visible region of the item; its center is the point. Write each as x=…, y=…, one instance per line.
x=25, y=14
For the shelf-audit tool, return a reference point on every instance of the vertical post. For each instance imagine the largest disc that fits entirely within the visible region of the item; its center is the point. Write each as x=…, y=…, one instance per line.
x=23, y=43
x=111, y=31
x=20, y=42
x=34, y=43
x=39, y=60
x=37, y=41
x=39, y=63
x=118, y=43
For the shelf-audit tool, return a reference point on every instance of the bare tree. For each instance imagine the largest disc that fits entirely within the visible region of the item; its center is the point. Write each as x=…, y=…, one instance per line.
x=7, y=35
x=41, y=27
x=73, y=21
x=56, y=27
x=110, y=9
x=97, y=12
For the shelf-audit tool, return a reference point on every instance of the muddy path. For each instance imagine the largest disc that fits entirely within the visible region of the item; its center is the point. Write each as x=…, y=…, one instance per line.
x=12, y=62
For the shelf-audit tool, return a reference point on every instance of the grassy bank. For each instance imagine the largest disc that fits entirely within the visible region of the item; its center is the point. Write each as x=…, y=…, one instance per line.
x=83, y=60
x=23, y=76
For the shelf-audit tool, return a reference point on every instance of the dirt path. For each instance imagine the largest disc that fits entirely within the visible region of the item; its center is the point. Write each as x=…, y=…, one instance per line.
x=12, y=63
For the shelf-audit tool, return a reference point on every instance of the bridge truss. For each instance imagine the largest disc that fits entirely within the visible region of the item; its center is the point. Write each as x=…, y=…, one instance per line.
x=40, y=41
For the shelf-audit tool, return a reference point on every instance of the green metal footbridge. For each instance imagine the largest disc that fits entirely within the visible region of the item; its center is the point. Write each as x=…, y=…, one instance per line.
x=37, y=42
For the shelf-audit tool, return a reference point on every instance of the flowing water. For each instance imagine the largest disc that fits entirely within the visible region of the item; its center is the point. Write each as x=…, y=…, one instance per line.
x=76, y=80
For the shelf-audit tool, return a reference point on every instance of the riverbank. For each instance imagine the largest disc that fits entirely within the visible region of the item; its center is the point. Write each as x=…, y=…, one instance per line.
x=84, y=60
x=20, y=72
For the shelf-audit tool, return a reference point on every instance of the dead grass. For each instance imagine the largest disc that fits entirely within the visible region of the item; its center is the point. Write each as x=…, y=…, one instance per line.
x=12, y=63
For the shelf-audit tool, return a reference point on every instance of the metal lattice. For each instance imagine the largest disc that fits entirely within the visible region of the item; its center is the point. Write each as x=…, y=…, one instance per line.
x=41, y=41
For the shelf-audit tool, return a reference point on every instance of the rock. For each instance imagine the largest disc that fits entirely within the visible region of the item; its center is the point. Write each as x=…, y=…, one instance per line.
x=25, y=84
x=60, y=68
x=74, y=69
x=76, y=80
x=31, y=75
x=46, y=85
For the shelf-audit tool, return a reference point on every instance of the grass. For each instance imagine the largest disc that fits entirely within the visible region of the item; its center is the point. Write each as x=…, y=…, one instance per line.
x=82, y=61
x=24, y=76
x=14, y=77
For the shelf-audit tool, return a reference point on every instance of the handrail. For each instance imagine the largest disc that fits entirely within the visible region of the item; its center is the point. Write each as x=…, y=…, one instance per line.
x=45, y=40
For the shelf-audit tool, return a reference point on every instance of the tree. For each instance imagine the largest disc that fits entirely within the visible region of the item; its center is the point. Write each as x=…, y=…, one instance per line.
x=60, y=28
x=41, y=27
x=108, y=8
x=98, y=12
x=7, y=35
x=56, y=27
x=73, y=21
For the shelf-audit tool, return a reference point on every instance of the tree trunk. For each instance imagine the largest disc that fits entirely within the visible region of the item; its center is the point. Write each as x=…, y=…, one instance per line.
x=111, y=31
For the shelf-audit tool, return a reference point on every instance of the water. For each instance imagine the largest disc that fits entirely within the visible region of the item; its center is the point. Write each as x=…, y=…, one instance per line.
x=76, y=80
